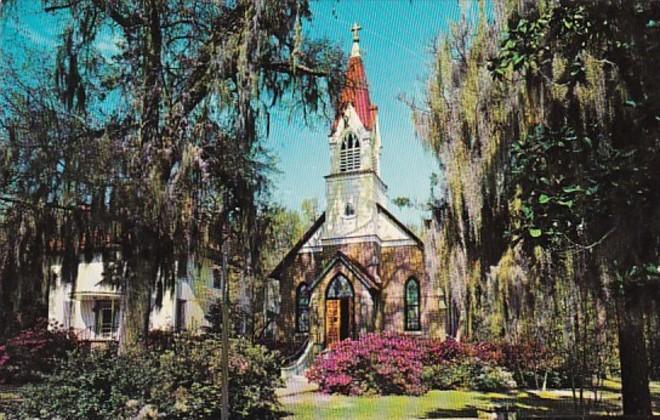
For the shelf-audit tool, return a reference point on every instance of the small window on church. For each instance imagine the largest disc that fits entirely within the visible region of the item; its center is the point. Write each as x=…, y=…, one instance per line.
x=349, y=210
x=302, y=308
x=349, y=158
x=411, y=304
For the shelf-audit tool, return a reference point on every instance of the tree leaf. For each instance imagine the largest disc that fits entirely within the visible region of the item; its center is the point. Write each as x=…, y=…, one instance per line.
x=567, y=203
x=544, y=198
x=535, y=232
x=572, y=189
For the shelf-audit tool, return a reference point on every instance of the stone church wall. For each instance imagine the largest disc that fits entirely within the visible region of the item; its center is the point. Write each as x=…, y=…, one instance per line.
x=391, y=266
x=398, y=264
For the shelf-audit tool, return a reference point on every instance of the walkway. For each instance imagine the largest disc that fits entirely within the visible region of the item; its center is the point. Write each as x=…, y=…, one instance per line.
x=294, y=388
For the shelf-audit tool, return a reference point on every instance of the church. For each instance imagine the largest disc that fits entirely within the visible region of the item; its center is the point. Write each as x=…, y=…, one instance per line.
x=358, y=269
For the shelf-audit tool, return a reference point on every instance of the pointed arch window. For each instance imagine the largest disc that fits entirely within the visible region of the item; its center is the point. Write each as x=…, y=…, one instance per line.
x=411, y=305
x=302, y=308
x=349, y=156
x=339, y=288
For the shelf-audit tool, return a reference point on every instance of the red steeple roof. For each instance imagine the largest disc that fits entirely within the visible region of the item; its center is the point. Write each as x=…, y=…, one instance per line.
x=356, y=90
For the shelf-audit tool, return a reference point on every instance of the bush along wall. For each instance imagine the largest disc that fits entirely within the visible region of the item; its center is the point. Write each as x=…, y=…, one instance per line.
x=182, y=381
x=403, y=365
x=374, y=364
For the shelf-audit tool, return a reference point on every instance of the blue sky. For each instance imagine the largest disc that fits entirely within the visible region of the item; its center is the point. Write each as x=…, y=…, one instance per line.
x=396, y=42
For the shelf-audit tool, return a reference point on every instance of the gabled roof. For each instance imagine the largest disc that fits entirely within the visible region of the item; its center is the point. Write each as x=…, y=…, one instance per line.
x=401, y=225
x=288, y=258
x=356, y=93
x=353, y=266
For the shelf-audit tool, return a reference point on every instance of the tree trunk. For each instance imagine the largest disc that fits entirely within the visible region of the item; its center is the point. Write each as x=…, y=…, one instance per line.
x=633, y=356
x=136, y=307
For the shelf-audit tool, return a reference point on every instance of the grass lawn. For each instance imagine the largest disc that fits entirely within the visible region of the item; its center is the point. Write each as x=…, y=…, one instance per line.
x=311, y=405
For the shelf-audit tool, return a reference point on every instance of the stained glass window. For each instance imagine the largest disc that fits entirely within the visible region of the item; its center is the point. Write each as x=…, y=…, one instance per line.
x=411, y=305
x=302, y=308
x=339, y=288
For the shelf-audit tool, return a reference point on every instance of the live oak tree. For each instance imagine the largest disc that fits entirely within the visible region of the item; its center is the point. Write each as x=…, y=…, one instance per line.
x=546, y=120
x=588, y=170
x=167, y=129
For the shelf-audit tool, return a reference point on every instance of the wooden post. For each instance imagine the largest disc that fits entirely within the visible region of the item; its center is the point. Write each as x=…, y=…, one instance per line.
x=225, y=322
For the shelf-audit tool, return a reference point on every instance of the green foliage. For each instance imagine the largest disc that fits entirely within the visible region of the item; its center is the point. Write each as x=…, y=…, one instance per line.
x=468, y=373
x=521, y=44
x=182, y=382
x=161, y=184
x=402, y=202
x=568, y=181
x=556, y=150
x=94, y=385
x=214, y=318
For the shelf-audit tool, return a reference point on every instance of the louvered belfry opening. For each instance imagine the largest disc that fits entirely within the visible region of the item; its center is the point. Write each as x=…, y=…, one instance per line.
x=349, y=158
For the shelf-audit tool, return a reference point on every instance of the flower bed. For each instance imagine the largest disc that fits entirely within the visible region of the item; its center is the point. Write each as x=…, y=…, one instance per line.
x=403, y=365
x=374, y=364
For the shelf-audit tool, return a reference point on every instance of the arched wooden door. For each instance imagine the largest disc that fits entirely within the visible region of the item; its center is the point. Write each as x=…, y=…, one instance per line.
x=339, y=298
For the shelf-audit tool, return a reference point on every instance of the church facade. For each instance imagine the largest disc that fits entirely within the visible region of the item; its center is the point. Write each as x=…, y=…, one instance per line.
x=357, y=269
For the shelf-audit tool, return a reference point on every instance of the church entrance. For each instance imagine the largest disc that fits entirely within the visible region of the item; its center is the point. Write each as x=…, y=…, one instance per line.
x=338, y=310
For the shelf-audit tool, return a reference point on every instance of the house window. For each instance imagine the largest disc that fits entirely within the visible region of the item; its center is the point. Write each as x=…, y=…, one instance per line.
x=349, y=157
x=411, y=305
x=302, y=308
x=107, y=322
x=180, y=320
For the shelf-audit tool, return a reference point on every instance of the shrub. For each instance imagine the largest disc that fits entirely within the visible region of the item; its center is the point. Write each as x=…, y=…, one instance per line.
x=444, y=351
x=33, y=352
x=391, y=364
x=532, y=362
x=437, y=352
x=468, y=373
x=485, y=351
x=183, y=382
x=191, y=375
x=493, y=378
x=92, y=385
x=445, y=376
x=374, y=364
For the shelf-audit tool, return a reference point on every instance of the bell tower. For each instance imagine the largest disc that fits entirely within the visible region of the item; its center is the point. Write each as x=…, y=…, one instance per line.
x=354, y=187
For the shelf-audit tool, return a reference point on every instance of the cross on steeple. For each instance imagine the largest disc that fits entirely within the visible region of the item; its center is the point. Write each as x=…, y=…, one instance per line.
x=356, y=32
x=355, y=51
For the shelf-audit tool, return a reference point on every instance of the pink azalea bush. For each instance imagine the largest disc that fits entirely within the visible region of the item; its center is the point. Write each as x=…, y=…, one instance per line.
x=32, y=352
x=404, y=365
x=373, y=364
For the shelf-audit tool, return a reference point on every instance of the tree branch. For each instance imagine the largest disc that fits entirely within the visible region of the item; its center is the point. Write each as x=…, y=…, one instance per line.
x=54, y=8
x=108, y=6
x=285, y=67
x=7, y=199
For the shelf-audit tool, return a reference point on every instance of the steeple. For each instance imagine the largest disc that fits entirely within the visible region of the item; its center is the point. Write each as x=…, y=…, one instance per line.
x=356, y=89
x=354, y=190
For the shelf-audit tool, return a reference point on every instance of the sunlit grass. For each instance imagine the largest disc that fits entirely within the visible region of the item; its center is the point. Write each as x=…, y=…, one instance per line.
x=446, y=404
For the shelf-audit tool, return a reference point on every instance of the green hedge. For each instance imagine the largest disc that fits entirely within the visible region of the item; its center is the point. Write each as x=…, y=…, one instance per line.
x=182, y=382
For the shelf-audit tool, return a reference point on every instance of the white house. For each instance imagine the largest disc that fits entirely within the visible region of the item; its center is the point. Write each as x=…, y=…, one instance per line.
x=92, y=309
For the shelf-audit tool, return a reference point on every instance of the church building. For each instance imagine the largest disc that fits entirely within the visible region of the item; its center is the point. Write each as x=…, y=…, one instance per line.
x=357, y=269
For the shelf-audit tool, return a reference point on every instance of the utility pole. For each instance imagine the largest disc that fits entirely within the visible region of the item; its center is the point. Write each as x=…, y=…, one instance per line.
x=225, y=315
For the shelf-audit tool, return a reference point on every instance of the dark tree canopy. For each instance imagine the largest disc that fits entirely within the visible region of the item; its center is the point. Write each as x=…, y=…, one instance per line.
x=155, y=150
